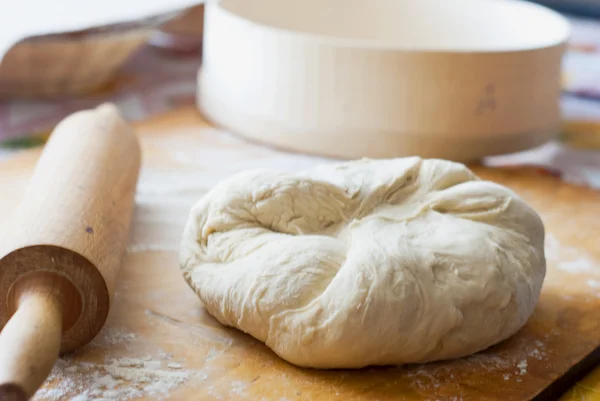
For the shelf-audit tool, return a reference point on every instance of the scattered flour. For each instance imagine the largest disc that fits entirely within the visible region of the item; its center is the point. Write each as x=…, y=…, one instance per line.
x=153, y=365
x=522, y=366
x=568, y=259
x=131, y=362
x=238, y=387
x=537, y=354
x=214, y=393
x=139, y=248
x=212, y=354
x=512, y=365
x=113, y=336
x=50, y=394
x=577, y=266
x=119, y=379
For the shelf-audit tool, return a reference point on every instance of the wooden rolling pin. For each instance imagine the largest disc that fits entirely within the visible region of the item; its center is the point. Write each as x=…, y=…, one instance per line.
x=60, y=254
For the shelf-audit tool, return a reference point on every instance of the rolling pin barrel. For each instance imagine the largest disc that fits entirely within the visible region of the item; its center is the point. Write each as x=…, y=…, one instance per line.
x=60, y=254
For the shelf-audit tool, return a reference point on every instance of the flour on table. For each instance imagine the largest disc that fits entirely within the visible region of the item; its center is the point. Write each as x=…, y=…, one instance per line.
x=522, y=366
x=113, y=336
x=119, y=379
x=131, y=362
x=567, y=258
x=537, y=354
x=511, y=366
x=212, y=354
x=213, y=392
x=158, y=247
x=238, y=387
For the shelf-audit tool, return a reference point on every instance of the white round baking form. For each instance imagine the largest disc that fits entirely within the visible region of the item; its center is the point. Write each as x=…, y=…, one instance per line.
x=459, y=79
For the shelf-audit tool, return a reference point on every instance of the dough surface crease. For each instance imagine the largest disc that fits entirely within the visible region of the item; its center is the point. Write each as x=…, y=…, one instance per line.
x=368, y=262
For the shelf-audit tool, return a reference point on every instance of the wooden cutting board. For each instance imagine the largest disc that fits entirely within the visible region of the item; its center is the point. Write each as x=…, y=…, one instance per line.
x=159, y=342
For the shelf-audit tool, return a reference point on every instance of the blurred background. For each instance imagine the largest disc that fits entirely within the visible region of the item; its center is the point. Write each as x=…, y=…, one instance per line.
x=154, y=70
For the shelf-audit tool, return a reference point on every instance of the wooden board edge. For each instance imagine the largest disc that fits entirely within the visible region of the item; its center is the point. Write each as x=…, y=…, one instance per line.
x=570, y=378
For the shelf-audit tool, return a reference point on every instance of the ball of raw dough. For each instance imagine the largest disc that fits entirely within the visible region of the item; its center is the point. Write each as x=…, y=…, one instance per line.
x=366, y=262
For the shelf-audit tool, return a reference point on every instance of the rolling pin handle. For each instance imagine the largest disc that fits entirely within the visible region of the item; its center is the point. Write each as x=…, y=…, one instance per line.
x=30, y=341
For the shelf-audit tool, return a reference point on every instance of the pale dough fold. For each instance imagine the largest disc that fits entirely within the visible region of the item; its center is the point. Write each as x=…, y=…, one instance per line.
x=366, y=262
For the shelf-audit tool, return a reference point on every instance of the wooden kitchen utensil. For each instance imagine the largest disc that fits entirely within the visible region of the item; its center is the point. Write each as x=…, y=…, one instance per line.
x=457, y=80
x=60, y=257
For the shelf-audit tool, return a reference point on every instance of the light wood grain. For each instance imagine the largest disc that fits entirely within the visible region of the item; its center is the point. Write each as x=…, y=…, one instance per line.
x=60, y=252
x=157, y=317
